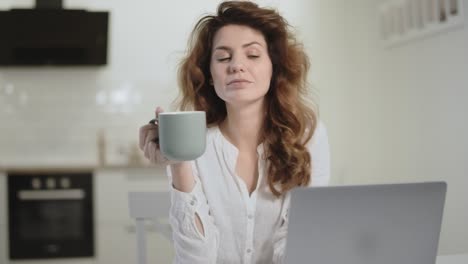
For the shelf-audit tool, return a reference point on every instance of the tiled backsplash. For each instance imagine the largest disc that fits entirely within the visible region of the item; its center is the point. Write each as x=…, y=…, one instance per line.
x=53, y=117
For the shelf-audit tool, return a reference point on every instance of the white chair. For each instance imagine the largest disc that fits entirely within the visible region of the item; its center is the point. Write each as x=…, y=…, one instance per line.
x=146, y=206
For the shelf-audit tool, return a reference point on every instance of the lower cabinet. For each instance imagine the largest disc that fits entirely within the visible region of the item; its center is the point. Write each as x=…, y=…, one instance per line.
x=116, y=244
x=115, y=230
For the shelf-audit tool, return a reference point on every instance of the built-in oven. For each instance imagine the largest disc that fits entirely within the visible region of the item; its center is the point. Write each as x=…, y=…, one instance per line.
x=50, y=215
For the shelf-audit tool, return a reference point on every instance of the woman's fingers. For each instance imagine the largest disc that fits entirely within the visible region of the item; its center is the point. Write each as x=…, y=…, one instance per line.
x=143, y=134
x=144, y=130
x=147, y=151
x=141, y=137
x=151, y=136
x=152, y=149
x=148, y=139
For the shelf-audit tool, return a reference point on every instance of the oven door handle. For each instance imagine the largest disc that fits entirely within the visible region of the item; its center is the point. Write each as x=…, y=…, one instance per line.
x=70, y=194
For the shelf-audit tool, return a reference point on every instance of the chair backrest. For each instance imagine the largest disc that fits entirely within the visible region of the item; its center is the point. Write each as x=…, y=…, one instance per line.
x=149, y=205
x=145, y=206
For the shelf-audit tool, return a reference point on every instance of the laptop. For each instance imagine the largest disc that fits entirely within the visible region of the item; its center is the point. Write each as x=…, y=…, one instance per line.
x=366, y=224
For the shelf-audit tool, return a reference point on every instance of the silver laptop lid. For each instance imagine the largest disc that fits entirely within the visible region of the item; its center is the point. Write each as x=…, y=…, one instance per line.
x=367, y=224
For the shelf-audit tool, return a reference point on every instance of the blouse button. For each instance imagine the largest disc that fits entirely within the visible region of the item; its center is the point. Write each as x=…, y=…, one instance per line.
x=194, y=200
x=249, y=251
x=250, y=217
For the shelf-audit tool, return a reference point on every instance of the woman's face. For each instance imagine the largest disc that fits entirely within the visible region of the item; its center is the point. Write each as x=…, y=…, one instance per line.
x=240, y=66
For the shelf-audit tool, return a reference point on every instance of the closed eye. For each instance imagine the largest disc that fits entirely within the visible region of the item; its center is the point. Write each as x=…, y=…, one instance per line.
x=224, y=59
x=253, y=56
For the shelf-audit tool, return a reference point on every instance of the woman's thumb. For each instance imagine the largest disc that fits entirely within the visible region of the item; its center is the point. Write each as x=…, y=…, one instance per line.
x=159, y=110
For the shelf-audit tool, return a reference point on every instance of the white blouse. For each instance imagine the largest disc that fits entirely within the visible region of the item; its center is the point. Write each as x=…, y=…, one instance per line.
x=239, y=228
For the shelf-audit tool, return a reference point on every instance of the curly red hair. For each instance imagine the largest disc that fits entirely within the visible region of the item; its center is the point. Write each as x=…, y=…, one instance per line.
x=290, y=119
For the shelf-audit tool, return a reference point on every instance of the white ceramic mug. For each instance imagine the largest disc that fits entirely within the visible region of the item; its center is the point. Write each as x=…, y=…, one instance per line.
x=182, y=135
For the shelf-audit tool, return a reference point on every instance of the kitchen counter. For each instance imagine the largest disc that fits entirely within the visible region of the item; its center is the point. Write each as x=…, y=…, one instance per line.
x=80, y=168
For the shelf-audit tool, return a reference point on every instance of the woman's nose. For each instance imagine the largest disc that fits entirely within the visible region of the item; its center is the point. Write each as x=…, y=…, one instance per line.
x=237, y=66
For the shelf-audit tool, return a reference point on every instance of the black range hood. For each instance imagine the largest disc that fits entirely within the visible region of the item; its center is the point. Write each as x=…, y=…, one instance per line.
x=51, y=35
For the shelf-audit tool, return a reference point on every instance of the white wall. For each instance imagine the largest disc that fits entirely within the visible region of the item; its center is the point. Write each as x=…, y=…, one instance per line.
x=398, y=114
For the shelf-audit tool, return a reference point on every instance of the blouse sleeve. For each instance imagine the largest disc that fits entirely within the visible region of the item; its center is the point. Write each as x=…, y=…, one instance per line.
x=190, y=245
x=320, y=153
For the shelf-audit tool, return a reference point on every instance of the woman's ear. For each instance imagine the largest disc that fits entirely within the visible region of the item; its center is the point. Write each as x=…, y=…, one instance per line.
x=210, y=81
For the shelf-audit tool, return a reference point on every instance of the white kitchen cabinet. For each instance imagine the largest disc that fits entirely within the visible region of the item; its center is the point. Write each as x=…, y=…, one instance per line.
x=111, y=190
x=114, y=229
x=3, y=245
x=116, y=244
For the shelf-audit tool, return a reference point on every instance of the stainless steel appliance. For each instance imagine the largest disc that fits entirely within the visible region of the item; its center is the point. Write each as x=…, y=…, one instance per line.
x=50, y=215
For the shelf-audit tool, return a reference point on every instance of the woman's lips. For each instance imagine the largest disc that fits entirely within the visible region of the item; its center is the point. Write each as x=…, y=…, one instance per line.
x=238, y=81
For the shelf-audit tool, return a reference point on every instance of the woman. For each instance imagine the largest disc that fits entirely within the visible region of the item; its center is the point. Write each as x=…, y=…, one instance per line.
x=247, y=72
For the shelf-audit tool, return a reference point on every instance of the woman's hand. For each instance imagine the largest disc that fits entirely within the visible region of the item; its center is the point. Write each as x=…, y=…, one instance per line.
x=182, y=176
x=149, y=142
